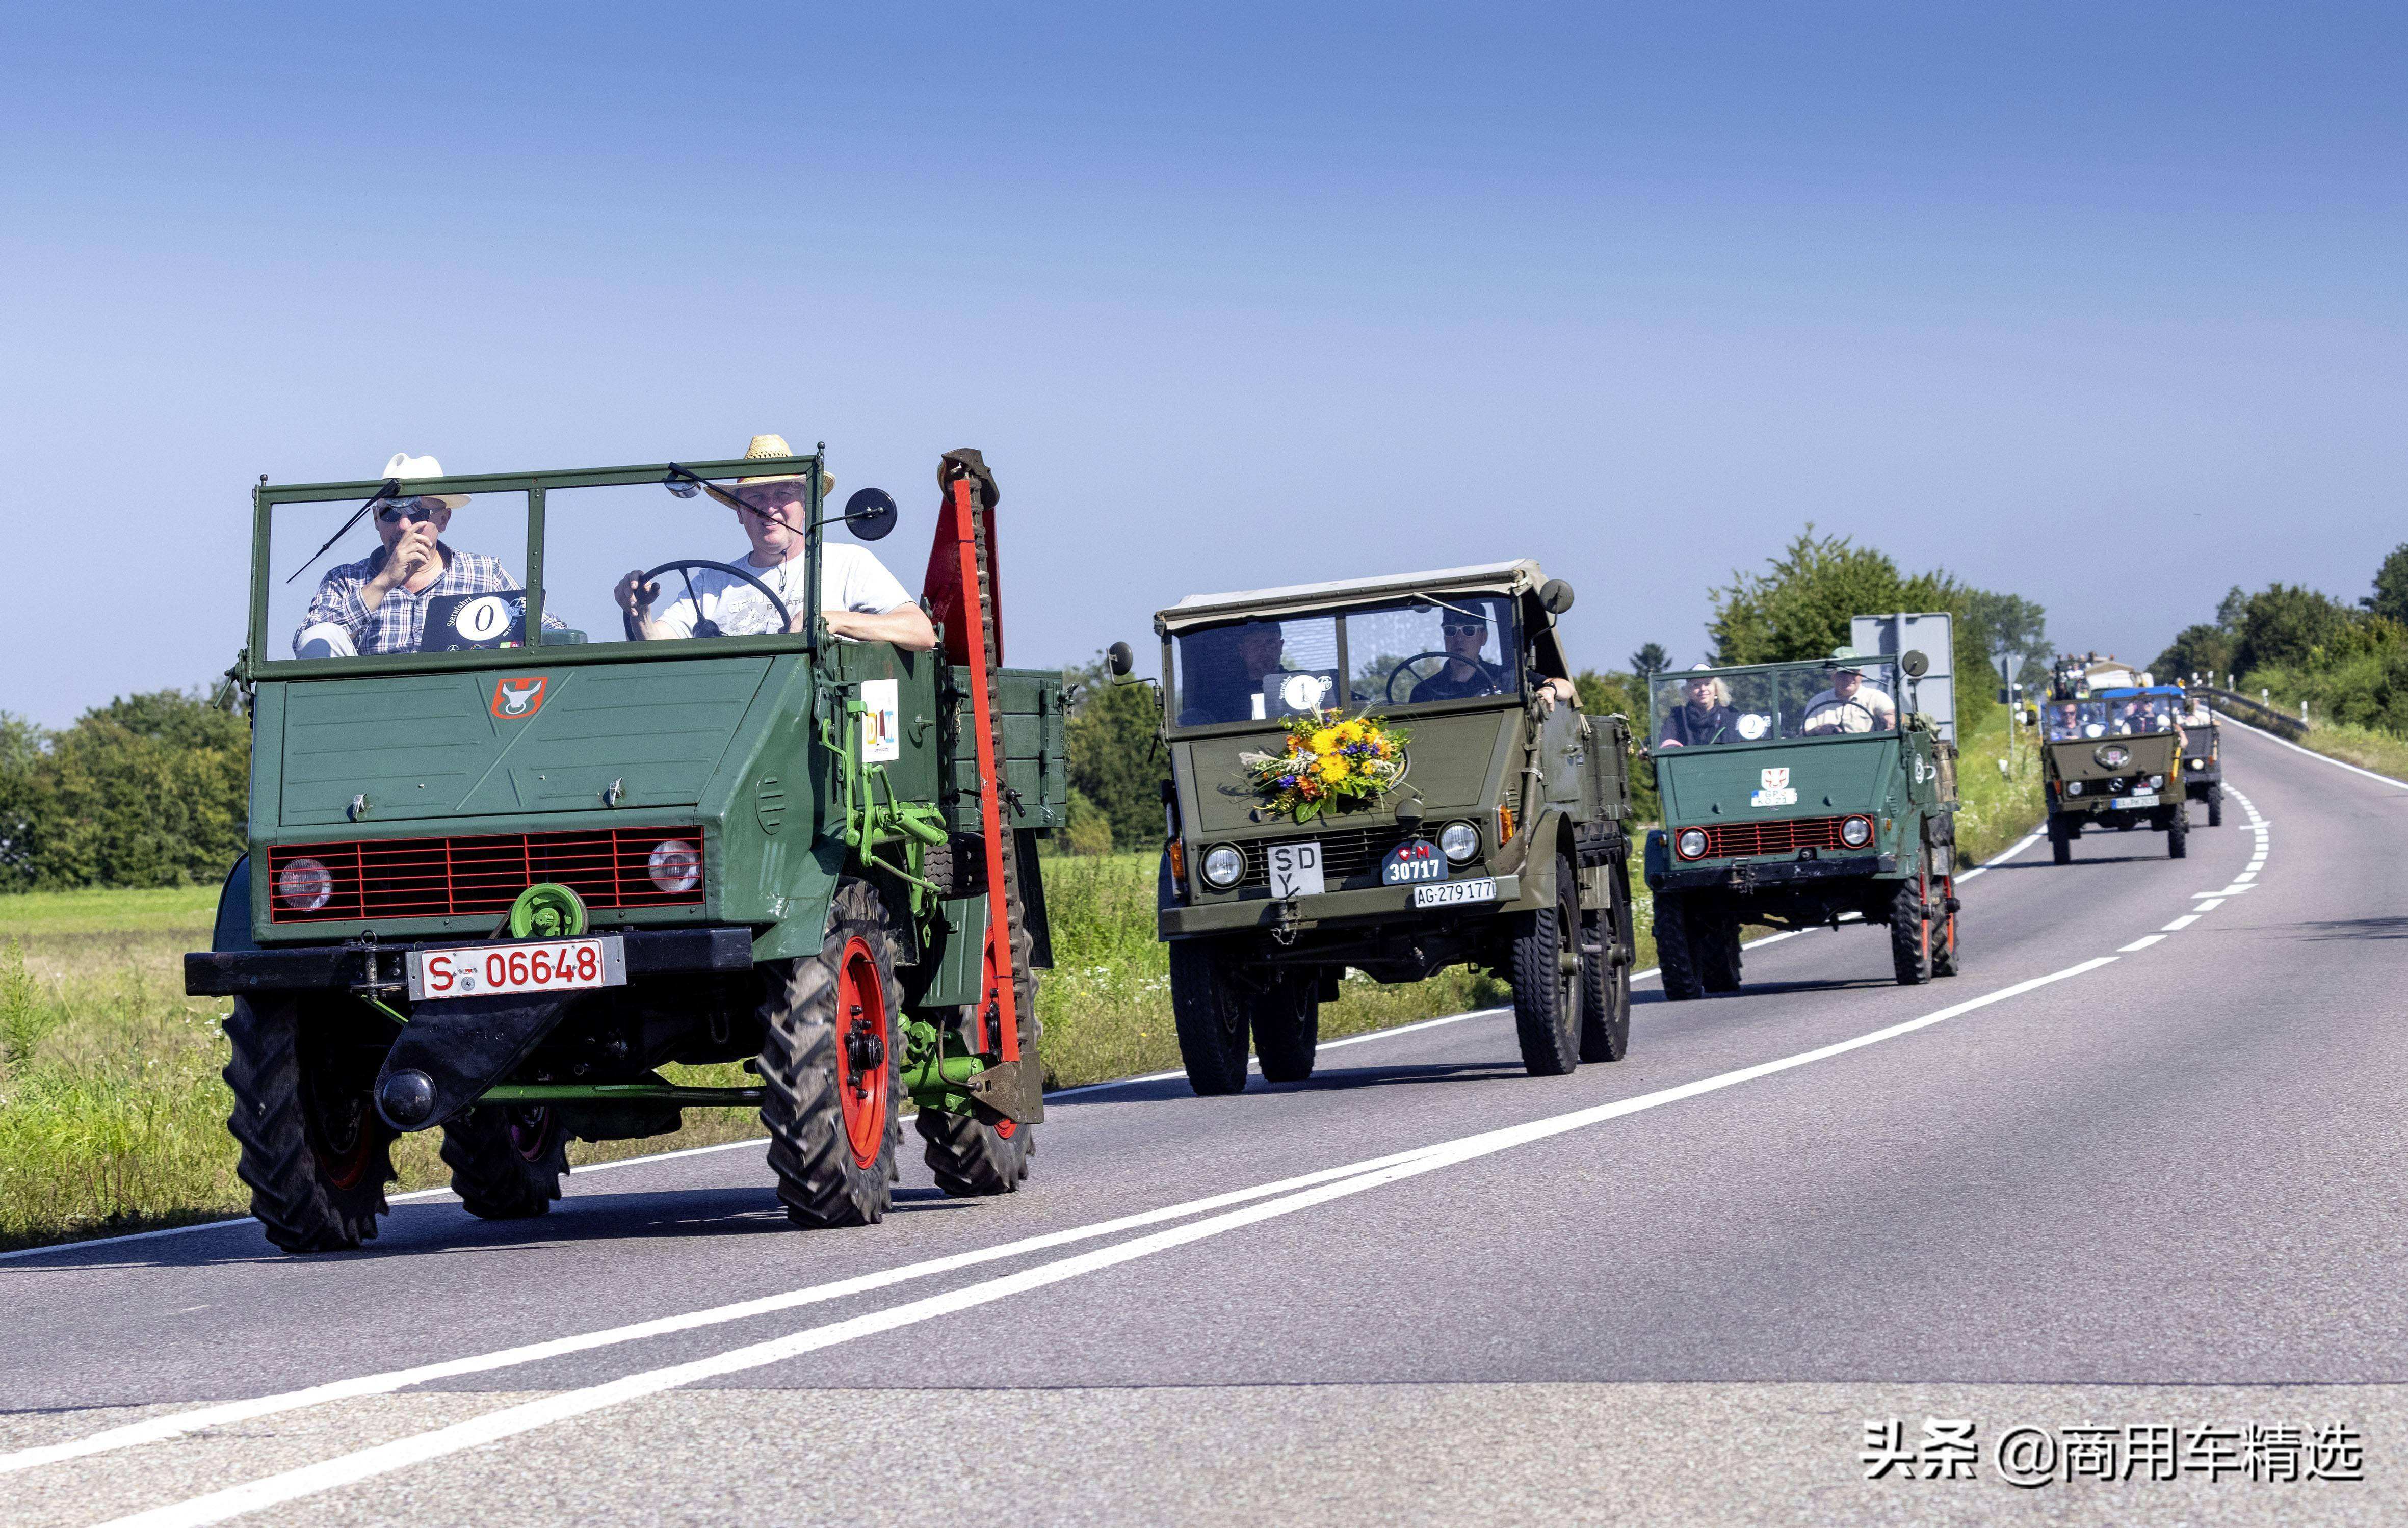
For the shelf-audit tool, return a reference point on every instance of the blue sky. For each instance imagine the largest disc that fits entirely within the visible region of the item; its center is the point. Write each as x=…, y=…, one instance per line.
x=2100, y=304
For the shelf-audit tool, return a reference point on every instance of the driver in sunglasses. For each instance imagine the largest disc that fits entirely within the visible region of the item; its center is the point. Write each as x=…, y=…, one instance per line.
x=378, y=603
x=1466, y=674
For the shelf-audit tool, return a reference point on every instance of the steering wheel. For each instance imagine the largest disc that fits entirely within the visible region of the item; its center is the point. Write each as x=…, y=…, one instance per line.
x=1406, y=667
x=701, y=627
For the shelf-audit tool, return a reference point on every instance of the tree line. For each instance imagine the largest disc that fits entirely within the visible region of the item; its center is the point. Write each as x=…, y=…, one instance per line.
x=2349, y=661
x=150, y=790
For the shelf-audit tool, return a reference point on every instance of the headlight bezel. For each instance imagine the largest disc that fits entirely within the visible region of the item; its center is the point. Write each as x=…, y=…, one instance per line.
x=1865, y=831
x=1236, y=866
x=1460, y=842
x=1682, y=846
x=320, y=880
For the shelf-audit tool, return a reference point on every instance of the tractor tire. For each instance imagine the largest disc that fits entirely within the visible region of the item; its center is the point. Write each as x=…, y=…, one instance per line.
x=507, y=1161
x=1714, y=942
x=831, y=1067
x=974, y=1157
x=1210, y=1010
x=1910, y=935
x=1605, y=988
x=1546, y=994
x=2215, y=806
x=1287, y=1030
x=2061, y=844
x=2178, y=833
x=313, y=1149
x=1674, y=954
x=1943, y=935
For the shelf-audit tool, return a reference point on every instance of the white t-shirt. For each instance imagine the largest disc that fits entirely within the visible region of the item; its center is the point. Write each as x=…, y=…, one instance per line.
x=850, y=579
x=1867, y=711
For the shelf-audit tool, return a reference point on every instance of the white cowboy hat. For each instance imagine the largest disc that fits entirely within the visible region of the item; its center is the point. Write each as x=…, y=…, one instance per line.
x=405, y=467
x=776, y=445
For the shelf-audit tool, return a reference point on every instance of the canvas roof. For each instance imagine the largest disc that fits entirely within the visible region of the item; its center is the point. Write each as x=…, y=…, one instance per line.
x=1516, y=577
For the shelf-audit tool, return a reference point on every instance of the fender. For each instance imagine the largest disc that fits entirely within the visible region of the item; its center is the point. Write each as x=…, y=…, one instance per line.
x=231, y=931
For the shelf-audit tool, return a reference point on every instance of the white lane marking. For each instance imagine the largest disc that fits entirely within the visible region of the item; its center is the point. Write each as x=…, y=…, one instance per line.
x=2141, y=943
x=2185, y=921
x=2234, y=890
x=2209, y=905
x=2310, y=752
x=2031, y=839
x=158, y=1428
x=348, y=1469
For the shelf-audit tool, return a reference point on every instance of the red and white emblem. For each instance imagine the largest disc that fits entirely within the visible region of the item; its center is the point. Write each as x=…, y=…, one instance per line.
x=515, y=700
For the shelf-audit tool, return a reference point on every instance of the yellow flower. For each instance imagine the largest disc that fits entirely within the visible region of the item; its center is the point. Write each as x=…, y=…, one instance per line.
x=1352, y=732
x=1326, y=740
x=1335, y=768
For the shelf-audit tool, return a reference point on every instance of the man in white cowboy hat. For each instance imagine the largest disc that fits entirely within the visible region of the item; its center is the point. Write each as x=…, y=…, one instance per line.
x=378, y=603
x=1849, y=704
x=859, y=599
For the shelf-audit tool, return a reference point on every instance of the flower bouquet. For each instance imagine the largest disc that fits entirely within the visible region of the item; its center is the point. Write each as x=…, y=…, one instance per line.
x=1329, y=766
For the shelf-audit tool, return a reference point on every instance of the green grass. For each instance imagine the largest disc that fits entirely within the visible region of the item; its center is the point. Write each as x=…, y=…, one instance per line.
x=112, y=1112
x=2361, y=746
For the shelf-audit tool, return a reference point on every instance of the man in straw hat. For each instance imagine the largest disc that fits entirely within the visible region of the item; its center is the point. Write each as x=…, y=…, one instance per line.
x=1849, y=704
x=859, y=599
x=378, y=603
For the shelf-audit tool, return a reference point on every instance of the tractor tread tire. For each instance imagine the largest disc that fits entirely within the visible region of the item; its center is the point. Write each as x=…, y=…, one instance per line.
x=2178, y=833
x=299, y=1207
x=1674, y=956
x=1209, y=1012
x=1546, y=1003
x=1908, y=952
x=818, y=1180
x=970, y=1155
x=2060, y=846
x=1715, y=946
x=2216, y=807
x=1605, y=996
x=493, y=1180
x=1287, y=1030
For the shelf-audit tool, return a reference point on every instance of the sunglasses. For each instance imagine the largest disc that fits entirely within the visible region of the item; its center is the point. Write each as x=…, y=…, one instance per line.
x=417, y=511
x=1463, y=628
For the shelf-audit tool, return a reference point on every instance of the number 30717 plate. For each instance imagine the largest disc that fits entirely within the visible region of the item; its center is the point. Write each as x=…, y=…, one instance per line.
x=549, y=965
x=1455, y=894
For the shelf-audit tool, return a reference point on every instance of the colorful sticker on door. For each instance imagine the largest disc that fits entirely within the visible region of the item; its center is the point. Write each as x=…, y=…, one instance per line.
x=882, y=728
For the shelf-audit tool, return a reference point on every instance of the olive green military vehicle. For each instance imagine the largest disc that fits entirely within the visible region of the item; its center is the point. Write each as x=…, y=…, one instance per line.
x=1798, y=796
x=2112, y=758
x=2202, y=758
x=496, y=886
x=1502, y=844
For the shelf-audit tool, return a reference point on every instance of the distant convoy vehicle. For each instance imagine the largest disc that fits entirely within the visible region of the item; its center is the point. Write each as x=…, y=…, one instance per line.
x=2112, y=757
x=495, y=886
x=1387, y=774
x=2202, y=762
x=1804, y=794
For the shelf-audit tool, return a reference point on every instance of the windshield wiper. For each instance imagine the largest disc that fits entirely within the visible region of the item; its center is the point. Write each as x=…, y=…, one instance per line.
x=1433, y=599
x=392, y=489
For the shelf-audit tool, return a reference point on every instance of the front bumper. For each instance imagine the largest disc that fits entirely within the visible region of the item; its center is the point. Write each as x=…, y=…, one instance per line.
x=1765, y=875
x=348, y=967
x=1372, y=905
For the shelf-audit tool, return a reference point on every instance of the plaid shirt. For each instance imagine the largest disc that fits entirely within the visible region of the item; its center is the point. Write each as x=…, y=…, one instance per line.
x=399, y=621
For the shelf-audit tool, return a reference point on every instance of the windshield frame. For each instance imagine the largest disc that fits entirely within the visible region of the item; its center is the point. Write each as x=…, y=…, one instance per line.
x=1337, y=613
x=266, y=497
x=1895, y=689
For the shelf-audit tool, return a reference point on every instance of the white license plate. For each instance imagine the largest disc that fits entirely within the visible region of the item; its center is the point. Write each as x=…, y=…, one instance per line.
x=546, y=966
x=2146, y=798
x=1457, y=893
x=1295, y=870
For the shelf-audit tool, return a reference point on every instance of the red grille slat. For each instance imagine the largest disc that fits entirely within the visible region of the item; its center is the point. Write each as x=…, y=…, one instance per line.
x=438, y=878
x=1730, y=840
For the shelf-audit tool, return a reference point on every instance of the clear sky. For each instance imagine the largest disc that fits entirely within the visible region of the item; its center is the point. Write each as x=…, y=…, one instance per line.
x=2101, y=305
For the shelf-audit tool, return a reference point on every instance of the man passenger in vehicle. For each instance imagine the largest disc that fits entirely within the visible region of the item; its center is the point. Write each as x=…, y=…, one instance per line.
x=1222, y=671
x=1704, y=716
x=859, y=600
x=378, y=603
x=1848, y=706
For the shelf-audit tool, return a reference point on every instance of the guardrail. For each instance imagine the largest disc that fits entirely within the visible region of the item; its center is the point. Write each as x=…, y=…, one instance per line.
x=2280, y=723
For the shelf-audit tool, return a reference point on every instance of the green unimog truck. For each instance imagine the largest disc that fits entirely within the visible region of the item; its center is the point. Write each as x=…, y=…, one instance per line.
x=2202, y=757
x=1798, y=796
x=1387, y=775
x=2113, y=759
x=496, y=885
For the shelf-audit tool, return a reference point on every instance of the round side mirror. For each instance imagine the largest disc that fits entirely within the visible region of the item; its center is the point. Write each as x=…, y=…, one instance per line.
x=1554, y=596
x=1913, y=664
x=1119, y=660
x=870, y=513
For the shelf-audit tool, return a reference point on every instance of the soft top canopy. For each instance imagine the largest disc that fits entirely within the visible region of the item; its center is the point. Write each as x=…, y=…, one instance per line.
x=1518, y=576
x=2124, y=691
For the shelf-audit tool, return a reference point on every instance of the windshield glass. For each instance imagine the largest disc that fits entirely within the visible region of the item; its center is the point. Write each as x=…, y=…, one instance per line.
x=1779, y=703
x=2129, y=714
x=1414, y=652
x=416, y=574
x=2067, y=720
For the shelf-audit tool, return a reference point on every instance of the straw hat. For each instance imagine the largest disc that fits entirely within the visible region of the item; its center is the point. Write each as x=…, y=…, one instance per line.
x=405, y=466
x=776, y=445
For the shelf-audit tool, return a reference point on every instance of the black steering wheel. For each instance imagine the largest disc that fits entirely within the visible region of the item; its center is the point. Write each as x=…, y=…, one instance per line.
x=1406, y=667
x=701, y=628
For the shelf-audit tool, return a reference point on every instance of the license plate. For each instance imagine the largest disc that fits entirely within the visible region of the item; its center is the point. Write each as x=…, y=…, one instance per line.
x=549, y=965
x=1457, y=893
x=1295, y=870
x=2146, y=798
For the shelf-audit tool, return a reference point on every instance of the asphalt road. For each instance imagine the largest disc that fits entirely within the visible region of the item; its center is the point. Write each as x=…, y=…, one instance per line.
x=2101, y=1178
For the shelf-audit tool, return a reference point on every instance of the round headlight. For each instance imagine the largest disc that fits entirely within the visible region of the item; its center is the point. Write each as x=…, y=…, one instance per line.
x=2156, y=781
x=1691, y=843
x=1856, y=832
x=305, y=885
x=676, y=865
x=1223, y=866
x=2073, y=788
x=1460, y=840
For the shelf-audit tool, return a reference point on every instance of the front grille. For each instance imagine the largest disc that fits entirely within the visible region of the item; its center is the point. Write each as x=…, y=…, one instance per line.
x=440, y=878
x=1350, y=857
x=1730, y=840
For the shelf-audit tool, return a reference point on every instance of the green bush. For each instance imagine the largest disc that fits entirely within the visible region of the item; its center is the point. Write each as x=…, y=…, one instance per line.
x=150, y=790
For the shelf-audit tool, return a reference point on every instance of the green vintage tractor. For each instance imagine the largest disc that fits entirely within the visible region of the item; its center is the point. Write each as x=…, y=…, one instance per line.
x=495, y=885
x=1798, y=795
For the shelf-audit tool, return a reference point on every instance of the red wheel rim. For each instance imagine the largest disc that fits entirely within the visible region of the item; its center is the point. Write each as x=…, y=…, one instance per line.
x=343, y=1166
x=862, y=1081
